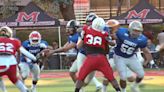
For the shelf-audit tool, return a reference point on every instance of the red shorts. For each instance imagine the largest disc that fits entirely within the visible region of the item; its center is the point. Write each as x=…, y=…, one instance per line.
x=96, y=62
x=11, y=73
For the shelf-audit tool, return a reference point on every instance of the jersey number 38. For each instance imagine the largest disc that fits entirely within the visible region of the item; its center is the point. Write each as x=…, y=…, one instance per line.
x=93, y=40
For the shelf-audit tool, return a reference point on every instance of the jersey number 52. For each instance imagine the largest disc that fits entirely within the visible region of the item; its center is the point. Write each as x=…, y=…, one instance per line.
x=6, y=47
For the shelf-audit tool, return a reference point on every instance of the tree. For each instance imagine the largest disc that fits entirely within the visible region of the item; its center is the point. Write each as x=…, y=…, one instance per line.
x=9, y=8
x=67, y=9
x=55, y=7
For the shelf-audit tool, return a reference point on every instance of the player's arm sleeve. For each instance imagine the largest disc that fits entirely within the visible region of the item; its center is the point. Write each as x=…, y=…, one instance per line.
x=82, y=33
x=24, y=44
x=43, y=45
x=74, y=39
x=118, y=34
x=79, y=43
x=27, y=54
x=143, y=43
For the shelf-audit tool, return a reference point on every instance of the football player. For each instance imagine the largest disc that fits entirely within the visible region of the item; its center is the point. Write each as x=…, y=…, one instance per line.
x=114, y=26
x=34, y=45
x=128, y=42
x=95, y=42
x=71, y=29
x=82, y=55
x=9, y=46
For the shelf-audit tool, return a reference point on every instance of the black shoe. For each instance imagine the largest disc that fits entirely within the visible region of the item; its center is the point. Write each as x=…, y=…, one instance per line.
x=27, y=91
x=155, y=66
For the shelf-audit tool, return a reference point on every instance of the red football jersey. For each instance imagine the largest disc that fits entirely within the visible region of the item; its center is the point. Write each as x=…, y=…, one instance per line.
x=94, y=38
x=9, y=45
x=86, y=27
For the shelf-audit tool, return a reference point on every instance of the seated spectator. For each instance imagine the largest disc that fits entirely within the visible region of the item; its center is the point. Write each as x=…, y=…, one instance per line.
x=151, y=46
x=160, y=38
x=160, y=46
x=55, y=45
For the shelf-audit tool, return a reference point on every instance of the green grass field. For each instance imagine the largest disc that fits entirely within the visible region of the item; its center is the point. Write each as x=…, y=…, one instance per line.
x=61, y=82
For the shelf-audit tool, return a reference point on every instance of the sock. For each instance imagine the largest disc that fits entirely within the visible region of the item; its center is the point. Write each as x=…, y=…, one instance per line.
x=42, y=67
x=2, y=86
x=118, y=89
x=104, y=88
x=77, y=90
x=34, y=84
x=123, y=90
x=96, y=82
x=21, y=86
x=152, y=62
x=82, y=90
x=135, y=84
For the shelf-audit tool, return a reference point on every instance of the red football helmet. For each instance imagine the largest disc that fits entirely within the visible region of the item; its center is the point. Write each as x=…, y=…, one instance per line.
x=35, y=38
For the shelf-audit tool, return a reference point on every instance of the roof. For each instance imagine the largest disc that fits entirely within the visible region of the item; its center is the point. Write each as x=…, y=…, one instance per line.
x=30, y=16
x=143, y=11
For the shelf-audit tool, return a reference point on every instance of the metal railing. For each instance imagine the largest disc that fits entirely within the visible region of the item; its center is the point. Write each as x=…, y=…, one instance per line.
x=102, y=12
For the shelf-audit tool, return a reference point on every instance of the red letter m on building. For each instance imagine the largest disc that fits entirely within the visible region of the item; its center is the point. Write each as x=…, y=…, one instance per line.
x=23, y=16
x=142, y=14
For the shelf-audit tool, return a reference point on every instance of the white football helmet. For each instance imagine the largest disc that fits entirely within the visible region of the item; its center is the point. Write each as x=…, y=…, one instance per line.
x=135, y=25
x=35, y=38
x=6, y=31
x=135, y=29
x=98, y=24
